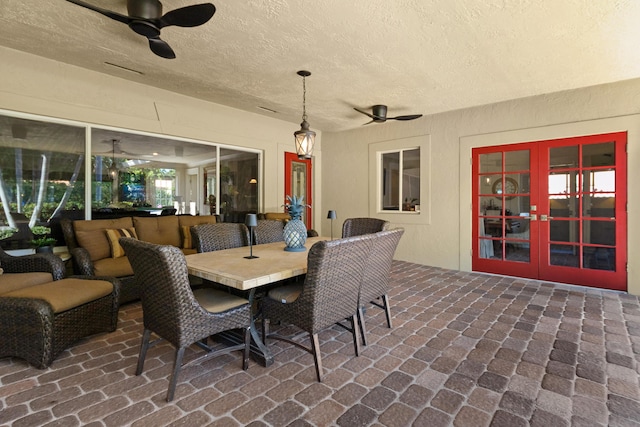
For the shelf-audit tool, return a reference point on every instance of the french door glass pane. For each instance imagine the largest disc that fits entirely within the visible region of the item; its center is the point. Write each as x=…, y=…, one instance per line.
x=516, y=160
x=599, y=258
x=564, y=231
x=563, y=157
x=599, y=232
x=564, y=255
x=491, y=162
x=598, y=154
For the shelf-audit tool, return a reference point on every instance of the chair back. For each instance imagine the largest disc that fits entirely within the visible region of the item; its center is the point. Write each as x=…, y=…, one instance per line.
x=219, y=236
x=375, y=280
x=359, y=226
x=168, y=304
x=269, y=231
x=331, y=287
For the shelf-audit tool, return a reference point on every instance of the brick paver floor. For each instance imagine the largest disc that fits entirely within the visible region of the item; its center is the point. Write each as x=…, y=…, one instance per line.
x=466, y=349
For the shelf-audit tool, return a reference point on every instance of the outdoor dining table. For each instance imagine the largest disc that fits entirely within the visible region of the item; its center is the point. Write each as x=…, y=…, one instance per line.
x=230, y=268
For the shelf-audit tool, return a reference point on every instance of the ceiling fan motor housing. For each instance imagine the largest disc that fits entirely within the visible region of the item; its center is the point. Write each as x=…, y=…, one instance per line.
x=380, y=111
x=145, y=9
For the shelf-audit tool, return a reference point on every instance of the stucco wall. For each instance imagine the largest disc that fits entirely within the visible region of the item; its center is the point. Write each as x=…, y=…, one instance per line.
x=443, y=238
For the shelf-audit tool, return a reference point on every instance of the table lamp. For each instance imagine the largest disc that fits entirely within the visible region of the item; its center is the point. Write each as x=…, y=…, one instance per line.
x=251, y=221
x=331, y=215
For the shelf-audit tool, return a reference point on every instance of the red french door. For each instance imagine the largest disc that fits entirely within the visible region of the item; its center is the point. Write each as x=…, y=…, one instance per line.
x=553, y=210
x=297, y=182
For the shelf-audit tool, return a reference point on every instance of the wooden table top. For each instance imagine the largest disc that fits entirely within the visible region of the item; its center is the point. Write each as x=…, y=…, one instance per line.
x=229, y=267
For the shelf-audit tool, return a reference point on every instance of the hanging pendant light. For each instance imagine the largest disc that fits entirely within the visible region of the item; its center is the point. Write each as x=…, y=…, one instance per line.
x=305, y=138
x=113, y=170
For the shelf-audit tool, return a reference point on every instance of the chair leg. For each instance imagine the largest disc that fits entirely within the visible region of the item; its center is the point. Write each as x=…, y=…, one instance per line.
x=315, y=347
x=355, y=332
x=144, y=346
x=387, y=308
x=265, y=330
x=247, y=348
x=363, y=331
x=177, y=364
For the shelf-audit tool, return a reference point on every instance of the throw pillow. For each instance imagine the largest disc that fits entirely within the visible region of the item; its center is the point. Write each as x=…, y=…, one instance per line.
x=114, y=234
x=187, y=242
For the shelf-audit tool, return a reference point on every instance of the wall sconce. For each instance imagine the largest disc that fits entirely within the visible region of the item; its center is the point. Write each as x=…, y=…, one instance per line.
x=331, y=215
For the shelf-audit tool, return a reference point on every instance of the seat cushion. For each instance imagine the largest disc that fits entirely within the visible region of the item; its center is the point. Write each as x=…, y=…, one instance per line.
x=216, y=301
x=160, y=230
x=115, y=267
x=286, y=293
x=13, y=281
x=65, y=294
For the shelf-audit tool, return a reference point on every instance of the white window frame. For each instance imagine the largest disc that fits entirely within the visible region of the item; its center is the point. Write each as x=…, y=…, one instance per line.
x=376, y=150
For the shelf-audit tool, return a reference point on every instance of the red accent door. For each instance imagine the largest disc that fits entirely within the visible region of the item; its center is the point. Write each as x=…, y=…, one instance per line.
x=553, y=210
x=298, y=182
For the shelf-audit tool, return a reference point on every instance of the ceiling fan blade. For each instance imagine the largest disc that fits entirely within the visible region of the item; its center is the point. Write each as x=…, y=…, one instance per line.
x=161, y=48
x=188, y=16
x=409, y=117
x=366, y=113
x=108, y=13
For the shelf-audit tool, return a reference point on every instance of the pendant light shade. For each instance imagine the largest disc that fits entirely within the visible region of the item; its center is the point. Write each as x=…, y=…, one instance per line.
x=305, y=138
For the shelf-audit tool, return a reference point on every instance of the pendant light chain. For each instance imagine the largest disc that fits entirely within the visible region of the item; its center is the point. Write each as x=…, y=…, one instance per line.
x=304, y=98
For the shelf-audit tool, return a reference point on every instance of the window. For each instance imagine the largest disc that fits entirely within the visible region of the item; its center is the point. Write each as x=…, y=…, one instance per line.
x=400, y=180
x=47, y=174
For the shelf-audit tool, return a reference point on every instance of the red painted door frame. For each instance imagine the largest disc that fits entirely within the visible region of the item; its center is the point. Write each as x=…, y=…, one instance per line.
x=543, y=241
x=291, y=160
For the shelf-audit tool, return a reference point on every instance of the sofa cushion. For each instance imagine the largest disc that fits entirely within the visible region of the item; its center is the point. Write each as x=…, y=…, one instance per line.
x=12, y=281
x=187, y=241
x=91, y=236
x=115, y=267
x=161, y=230
x=188, y=221
x=65, y=294
x=283, y=216
x=114, y=234
x=191, y=220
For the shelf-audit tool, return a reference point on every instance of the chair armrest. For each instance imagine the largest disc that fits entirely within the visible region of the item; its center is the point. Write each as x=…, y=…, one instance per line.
x=82, y=263
x=49, y=263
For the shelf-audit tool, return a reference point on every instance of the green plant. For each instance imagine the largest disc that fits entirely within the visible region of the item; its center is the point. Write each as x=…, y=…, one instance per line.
x=43, y=241
x=295, y=206
x=7, y=232
x=40, y=230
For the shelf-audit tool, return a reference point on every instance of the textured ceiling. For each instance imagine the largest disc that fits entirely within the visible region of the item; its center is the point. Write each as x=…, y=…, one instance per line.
x=416, y=56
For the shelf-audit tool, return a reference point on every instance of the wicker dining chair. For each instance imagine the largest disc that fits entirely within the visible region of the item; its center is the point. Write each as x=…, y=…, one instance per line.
x=178, y=314
x=359, y=226
x=219, y=236
x=375, y=281
x=269, y=231
x=328, y=295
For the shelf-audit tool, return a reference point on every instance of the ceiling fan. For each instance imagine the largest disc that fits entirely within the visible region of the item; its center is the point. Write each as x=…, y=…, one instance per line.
x=379, y=115
x=146, y=18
